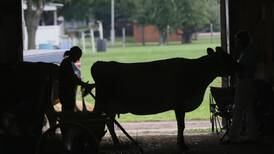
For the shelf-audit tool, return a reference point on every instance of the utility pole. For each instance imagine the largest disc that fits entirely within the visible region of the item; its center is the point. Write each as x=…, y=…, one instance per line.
x=112, y=31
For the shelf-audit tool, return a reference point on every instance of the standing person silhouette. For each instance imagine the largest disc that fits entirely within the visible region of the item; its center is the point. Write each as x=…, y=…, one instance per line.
x=70, y=78
x=245, y=94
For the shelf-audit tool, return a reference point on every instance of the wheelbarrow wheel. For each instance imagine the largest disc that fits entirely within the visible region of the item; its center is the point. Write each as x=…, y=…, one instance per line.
x=68, y=138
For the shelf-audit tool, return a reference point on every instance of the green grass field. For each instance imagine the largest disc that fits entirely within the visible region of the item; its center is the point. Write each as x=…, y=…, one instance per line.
x=137, y=53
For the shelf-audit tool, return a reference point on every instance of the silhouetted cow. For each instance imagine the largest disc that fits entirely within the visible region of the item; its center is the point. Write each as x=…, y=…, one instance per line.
x=26, y=91
x=146, y=88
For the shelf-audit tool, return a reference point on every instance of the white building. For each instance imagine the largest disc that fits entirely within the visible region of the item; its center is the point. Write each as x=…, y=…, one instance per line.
x=50, y=32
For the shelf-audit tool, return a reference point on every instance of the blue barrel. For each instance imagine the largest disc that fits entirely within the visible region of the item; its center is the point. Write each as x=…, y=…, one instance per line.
x=46, y=46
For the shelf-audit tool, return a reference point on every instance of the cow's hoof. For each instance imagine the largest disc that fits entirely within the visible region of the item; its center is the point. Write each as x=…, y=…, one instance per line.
x=184, y=148
x=181, y=145
x=116, y=141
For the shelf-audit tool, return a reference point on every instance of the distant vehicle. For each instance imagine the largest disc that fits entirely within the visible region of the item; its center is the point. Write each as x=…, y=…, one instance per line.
x=49, y=56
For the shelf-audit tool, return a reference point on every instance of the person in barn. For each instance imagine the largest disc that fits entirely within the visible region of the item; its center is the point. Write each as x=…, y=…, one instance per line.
x=70, y=78
x=245, y=93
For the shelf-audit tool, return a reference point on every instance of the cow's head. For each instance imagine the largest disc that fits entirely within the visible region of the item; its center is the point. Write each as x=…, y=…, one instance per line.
x=222, y=62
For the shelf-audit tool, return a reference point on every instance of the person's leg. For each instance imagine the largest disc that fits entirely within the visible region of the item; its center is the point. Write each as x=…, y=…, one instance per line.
x=251, y=121
x=238, y=111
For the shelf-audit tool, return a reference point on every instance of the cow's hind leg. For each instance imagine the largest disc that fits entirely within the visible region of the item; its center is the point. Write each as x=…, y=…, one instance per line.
x=110, y=126
x=180, y=117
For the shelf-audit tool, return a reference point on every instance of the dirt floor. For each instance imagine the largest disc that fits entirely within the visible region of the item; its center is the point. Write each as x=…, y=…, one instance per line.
x=198, y=144
x=160, y=138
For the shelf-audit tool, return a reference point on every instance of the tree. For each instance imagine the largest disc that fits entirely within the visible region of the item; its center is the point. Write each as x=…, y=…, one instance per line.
x=124, y=10
x=87, y=10
x=33, y=15
x=162, y=16
x=142, y=15
x=80, y=10
x=190, y=16
x=154, y=12
x=187, y=16
x=214, y=14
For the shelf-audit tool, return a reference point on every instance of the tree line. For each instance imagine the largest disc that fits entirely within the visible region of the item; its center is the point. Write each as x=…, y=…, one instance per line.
x=184, y=17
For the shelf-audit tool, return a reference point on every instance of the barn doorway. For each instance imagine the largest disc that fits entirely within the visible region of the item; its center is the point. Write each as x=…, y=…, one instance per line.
x=164, y=47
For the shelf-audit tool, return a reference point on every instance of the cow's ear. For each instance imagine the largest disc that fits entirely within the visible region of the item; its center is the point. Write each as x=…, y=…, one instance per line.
x=210, y=51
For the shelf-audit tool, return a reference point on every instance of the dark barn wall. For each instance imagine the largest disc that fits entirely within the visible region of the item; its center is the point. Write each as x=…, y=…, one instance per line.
x=256, y=17
x=11, y=44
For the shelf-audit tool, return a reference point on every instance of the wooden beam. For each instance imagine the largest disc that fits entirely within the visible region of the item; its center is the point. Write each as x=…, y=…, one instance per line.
x=11, y=46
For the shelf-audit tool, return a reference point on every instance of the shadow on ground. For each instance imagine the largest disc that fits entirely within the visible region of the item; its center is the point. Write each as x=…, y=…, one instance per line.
x=198, y=144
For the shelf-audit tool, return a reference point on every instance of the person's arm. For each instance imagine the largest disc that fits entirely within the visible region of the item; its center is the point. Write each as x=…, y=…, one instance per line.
x=68, y=69
x=68, y=73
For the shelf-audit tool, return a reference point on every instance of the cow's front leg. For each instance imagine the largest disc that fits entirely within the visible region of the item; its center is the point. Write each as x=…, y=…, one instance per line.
x=180, y=117
x=110, y=125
